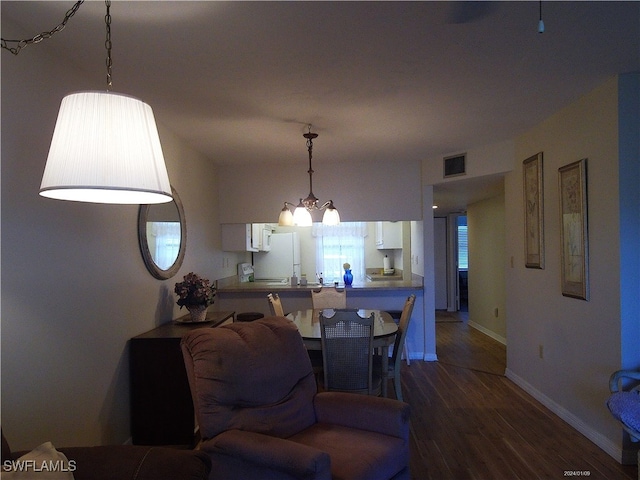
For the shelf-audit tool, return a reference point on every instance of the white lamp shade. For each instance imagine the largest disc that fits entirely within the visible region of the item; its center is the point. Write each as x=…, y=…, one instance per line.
x=302, y=217
x=331, y=217
x=286, y=218
x=106, y=149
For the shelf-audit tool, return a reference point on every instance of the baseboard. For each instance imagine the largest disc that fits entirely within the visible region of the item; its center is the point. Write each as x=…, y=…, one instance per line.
x=596, y=437
x=488, y=332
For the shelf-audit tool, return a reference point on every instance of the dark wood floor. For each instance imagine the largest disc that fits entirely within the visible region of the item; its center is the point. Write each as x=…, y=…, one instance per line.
x=470, y=422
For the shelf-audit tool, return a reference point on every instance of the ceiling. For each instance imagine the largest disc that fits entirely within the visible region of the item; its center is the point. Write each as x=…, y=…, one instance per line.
x=393, y=81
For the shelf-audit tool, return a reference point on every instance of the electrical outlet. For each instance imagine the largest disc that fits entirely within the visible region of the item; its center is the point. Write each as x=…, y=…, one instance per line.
x=540, y=351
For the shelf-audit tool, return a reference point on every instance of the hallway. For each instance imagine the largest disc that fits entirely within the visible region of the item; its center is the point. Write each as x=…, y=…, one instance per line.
x=460, y=345
x=469, y=421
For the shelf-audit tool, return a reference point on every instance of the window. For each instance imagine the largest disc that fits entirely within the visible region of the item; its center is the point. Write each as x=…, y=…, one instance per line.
x=164, y=242
x=463, y=244
x=339, y=244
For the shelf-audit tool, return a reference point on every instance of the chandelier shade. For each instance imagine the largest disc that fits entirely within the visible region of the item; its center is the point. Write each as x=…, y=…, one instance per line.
x=331, y=215
x=302, y=216
x=105, y=149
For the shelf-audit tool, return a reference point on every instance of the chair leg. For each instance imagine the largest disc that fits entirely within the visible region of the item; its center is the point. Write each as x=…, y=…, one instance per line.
x=397, y=388
x=406, y=353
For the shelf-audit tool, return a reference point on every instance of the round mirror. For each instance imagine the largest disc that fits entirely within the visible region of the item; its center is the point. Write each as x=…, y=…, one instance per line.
x=162, y=233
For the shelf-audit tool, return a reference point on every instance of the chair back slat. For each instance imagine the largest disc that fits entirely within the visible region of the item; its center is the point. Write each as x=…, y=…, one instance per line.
x=329, y=297
x=403, y=326
x=275, y=305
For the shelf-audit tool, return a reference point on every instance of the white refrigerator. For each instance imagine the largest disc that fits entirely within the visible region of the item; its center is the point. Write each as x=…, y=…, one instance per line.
x=283, y=260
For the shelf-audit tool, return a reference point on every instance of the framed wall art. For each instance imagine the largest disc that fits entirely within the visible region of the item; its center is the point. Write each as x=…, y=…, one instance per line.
x=573, y=232
x=533, y=211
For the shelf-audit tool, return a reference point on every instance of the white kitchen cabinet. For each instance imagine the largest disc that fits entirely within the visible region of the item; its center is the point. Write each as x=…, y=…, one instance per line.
x=237, y=237
x=388, y=235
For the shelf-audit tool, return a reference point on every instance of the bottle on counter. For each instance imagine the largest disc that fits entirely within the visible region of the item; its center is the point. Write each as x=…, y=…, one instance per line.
x=294, y=280
x=303, y=280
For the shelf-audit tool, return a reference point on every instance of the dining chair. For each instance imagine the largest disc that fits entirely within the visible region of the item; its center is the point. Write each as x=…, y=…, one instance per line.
x=329, y=297
x=395, y=361
x=347, y=352
x=275, y=305
x=624, y=402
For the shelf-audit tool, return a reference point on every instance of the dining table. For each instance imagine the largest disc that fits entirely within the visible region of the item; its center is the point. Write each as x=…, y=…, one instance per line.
x=384, y=332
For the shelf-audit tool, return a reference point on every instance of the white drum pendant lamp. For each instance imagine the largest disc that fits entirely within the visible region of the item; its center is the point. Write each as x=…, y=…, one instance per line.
x=105, y=146
x=105, y=149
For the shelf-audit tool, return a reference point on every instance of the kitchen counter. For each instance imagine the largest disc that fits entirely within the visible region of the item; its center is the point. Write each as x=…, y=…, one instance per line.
x=231, y=285
x=376, y=295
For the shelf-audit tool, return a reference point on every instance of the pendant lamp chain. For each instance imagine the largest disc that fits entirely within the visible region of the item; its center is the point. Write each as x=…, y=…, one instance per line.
x=20, y=44
x=108, y=45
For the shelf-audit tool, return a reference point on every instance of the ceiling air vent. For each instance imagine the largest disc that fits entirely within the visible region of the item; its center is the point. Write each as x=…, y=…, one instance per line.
x=455, y=165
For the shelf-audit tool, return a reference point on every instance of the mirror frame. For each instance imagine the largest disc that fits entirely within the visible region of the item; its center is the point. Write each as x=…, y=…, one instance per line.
x=157, y=272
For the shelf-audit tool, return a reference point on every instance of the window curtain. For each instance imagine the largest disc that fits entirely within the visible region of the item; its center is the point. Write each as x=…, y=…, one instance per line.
x=337, y=245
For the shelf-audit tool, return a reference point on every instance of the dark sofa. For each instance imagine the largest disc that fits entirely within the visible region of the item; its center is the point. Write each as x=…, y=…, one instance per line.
x=126, y=462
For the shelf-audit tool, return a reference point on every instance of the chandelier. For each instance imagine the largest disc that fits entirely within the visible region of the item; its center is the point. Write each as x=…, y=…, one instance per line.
x=302, y=214
x=105, y=146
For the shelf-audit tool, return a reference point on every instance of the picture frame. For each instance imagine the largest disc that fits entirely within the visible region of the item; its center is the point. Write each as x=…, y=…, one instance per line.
x=532, y=177
x=574, y=239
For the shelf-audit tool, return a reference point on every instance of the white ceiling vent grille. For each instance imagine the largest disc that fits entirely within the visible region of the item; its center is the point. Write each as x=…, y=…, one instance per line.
x=455, y=165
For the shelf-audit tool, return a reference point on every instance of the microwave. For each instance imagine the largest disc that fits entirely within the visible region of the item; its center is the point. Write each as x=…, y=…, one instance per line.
x=266, y=239
x=261, y=237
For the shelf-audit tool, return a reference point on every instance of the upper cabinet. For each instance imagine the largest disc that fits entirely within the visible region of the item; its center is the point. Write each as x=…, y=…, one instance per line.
x=241, y=237
x=388, y=235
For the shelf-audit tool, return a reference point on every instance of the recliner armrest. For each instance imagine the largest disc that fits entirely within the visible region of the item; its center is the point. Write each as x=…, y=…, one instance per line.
x=375, y=414
x=293, y=459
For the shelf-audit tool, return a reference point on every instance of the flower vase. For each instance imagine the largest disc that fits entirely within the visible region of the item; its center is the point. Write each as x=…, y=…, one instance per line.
x=198, y=312
x=347, y=277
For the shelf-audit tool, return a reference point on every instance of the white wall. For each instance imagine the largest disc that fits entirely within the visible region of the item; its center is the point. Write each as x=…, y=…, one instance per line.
x=255, y=192
x=581, y=340
x=629, y=180
x=74, y=286
x=487, y=264
x=480, y=161
x=427, y=254
x=440, y=263
x=417, y=247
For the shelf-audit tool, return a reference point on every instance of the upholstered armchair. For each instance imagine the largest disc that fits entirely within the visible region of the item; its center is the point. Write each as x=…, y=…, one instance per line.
x=260, y=415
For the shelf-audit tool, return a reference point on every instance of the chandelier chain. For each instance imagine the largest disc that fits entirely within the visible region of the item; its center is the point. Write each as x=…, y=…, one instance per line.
x=20, y=44
x=108, y=45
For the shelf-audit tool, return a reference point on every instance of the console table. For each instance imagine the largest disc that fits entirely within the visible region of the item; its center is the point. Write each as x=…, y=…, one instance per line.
x=161, y=405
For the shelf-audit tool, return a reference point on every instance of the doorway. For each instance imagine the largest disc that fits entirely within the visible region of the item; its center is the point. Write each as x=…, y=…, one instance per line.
x=462, y=255
x=455, y=257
